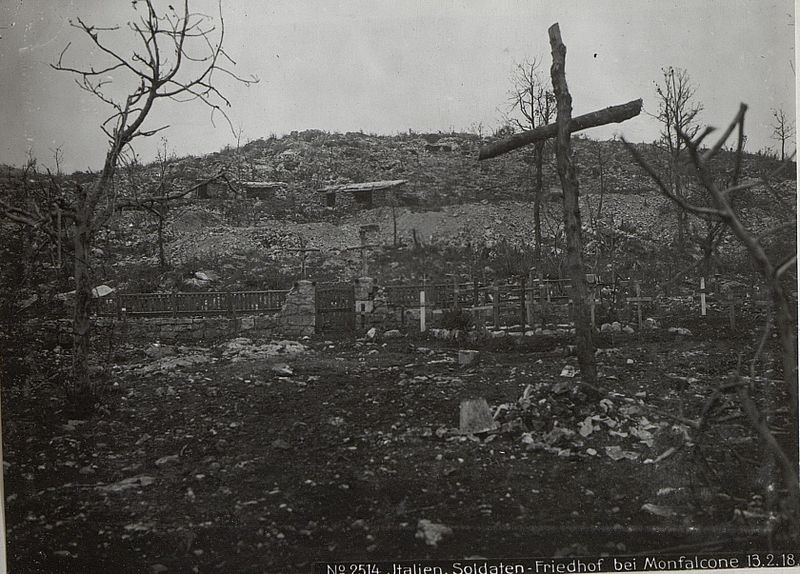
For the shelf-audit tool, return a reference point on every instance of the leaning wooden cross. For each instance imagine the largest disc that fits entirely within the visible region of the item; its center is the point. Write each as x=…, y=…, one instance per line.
x=561, y=130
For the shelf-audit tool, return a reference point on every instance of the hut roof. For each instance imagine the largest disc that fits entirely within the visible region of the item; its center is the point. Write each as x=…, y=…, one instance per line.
x=367, y=186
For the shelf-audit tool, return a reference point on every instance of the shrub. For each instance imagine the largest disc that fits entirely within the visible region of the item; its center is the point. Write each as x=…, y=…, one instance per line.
x=457, y=319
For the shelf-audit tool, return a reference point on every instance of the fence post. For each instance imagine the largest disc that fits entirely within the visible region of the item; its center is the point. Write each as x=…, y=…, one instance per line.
x=496, y=305
x=702, y=296
x=174, y=299
x=422, y=311
x=528, y=294
x=523, y=315
x=544, y=300
x=124, y=317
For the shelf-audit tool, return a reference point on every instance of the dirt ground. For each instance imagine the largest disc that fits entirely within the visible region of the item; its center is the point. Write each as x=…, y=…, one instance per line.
x=250, y=458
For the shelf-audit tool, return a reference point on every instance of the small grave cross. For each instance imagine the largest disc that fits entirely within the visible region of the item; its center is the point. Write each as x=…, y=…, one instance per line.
x=703, y=293
x=593, y=284
x=638, y=300
x=593, y=302
x=732, y=301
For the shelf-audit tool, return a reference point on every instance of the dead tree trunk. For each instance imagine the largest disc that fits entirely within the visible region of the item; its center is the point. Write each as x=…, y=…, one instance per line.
x=572, y=214
x=537, y=205
x=162, y=258
x=79, y=390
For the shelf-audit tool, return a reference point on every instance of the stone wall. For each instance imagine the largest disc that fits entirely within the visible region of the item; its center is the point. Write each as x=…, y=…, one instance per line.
x=298, y=316
x=165, y=329
x=188, y=329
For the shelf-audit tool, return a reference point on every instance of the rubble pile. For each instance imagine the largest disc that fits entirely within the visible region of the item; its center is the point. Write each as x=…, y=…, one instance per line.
x=242, y=348
x=561, y=419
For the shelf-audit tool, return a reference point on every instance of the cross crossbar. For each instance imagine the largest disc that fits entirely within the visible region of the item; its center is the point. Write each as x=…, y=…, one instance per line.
x=609, y=115
x=363, y=247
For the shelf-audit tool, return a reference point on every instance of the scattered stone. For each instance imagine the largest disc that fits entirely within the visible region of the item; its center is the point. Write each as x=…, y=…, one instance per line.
x=475, y=417
x=169, y=459
x=662, y=511
x=650, y=323
x=392, y=334
x=102, y=291
x=431, y=532
x=282, y=369
x=680, y=331
x=87, y=470
x=616, y=327
x=197, y=283
x=281, y=444
x=586, y=427
x=243, y=348
x=28, y=302
x=206, y=276
x=467, y=357
x=170, y=363
x=628, y=330
x=616, y=453
x=372, y=334
x=605, y=328
x=569, y=371
x=156, y=351
x=128, y=483
x=158, y=568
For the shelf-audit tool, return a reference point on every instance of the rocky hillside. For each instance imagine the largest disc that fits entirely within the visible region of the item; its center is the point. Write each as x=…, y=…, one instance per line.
x=455, y=213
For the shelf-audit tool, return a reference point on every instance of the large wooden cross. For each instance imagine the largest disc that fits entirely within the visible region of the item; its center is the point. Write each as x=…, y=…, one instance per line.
x=304, y=251
x=362, y=235
x=561, y=130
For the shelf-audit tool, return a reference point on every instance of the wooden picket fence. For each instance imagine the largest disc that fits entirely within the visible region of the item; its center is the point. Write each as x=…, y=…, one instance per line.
x=197, y=304
x=535, y=301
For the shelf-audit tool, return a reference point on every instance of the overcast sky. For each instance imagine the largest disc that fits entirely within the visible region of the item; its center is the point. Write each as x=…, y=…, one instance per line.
x=390, y=66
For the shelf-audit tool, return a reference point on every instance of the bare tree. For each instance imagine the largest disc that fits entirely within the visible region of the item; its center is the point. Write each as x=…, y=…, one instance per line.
x=719, y=209
x=536, y=105
x=783, y=130
x=157, y=192
x=677, y=112
x=178, y=57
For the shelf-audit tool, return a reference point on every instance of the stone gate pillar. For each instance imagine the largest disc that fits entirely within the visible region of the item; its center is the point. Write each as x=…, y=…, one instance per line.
x=364, y=295
x=298, y=316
